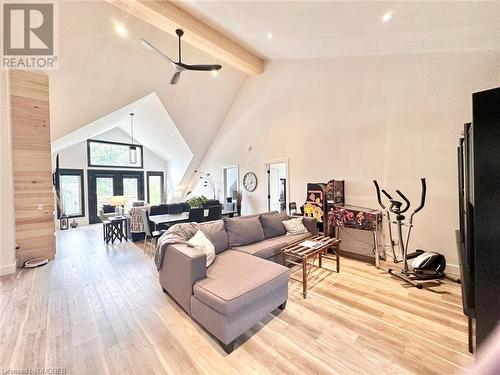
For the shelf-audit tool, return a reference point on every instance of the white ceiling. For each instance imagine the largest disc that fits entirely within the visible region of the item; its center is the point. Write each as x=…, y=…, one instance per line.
x=100, y=73
x=308, y=29
x=153, y=128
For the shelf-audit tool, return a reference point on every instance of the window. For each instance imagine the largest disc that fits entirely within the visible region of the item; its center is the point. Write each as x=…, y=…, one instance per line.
x=155, y=187
x=230, y=181
x=111, y=155
x=71, y=192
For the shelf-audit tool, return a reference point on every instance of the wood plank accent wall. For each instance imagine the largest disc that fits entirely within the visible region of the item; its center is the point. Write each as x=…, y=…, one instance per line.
x=32, y=168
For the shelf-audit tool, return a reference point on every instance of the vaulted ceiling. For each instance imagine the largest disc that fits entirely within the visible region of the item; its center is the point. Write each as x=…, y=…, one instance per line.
x=309, y=29
x=101, y=72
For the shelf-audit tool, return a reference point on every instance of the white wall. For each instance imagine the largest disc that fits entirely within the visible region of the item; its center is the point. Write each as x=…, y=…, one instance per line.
x=7, y=221
x=394, y=118
x=75, y=157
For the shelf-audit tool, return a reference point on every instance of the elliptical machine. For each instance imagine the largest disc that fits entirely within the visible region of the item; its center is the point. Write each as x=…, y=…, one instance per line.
x=426, y=265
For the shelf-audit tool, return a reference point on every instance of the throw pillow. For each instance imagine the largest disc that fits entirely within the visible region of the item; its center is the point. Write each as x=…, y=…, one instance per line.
x=272, y=224
x=243, y=231
x=200, y=241
x=216, y=233
x=295, y=226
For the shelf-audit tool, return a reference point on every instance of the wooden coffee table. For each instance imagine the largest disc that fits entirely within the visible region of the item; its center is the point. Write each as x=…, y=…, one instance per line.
x=305, y=256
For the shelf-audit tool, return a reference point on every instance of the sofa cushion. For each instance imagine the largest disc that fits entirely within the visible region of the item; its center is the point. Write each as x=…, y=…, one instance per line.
x=292, y=238
x=263, y=249
x=287, y=239
x=243, y=231
x=235, y=280
x=216, y=233
x=272, y=224
x=295, y=226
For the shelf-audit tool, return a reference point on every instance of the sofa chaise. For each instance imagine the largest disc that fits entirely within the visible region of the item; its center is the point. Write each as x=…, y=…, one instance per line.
x=246, y=281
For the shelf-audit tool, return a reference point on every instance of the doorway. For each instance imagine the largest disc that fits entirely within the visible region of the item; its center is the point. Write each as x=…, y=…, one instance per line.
x=103, y=185
x=230, y=176
x=277, y=186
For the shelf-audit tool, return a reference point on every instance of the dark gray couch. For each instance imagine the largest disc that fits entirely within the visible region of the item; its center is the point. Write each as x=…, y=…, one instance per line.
x=246, y=281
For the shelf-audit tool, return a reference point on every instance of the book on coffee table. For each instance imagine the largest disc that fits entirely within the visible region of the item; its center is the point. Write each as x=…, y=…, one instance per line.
x=310, y=244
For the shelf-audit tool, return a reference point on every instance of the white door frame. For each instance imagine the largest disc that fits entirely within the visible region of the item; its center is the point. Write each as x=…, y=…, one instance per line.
x=287, y=169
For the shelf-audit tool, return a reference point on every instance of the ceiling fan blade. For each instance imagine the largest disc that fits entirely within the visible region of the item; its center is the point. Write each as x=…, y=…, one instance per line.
x=175, y=78
x=201, y=67
x=149, y=46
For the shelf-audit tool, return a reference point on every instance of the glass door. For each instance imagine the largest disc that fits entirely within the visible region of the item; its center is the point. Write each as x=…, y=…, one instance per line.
x=103, y=185
x=130, y=188
x=104, y=191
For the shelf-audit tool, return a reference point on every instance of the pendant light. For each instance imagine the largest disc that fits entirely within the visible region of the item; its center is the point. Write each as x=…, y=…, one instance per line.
x=132, y=151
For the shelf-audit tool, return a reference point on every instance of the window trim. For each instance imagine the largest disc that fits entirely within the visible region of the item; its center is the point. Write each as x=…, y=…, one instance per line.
x=89, y=162
x=73, y=172
x=154, y=173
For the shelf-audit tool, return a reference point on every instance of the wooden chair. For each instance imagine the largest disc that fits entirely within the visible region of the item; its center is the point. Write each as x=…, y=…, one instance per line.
x=214, y=212
x=196, y=215
x=148, y=233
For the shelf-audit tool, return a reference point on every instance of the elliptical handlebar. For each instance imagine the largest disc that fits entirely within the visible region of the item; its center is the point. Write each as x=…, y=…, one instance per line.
x=399, y=204
x=378, y=194
x=422, y=196
x=402, y=210
x=387, y=194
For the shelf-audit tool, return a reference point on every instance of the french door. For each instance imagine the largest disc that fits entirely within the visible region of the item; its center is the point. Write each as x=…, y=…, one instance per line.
x=103, y=185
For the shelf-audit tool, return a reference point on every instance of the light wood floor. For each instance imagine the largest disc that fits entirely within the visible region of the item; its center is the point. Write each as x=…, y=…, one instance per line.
x=99, y=309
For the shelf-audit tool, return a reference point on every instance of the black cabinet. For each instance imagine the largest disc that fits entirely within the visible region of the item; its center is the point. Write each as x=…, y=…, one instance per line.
x=479, y=207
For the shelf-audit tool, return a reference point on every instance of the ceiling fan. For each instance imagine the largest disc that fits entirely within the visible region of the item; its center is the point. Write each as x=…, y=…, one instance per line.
x=179, y=65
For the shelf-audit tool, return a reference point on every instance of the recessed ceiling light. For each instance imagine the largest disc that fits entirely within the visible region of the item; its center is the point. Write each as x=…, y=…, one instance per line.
x=121, y=30
x=269, y=35
x=387, y=17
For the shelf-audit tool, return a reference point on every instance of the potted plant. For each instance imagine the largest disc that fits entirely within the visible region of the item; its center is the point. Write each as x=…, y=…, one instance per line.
x=196, y=202
x=238, y=196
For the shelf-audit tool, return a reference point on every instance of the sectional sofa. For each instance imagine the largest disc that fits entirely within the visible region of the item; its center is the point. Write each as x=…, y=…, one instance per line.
x=245, y=282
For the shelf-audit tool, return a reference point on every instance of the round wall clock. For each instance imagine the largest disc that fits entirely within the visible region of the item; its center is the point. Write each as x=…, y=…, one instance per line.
x=250, y=181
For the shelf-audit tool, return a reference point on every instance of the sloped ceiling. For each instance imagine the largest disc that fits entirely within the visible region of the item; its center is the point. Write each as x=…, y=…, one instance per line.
x=101, y=72
x=311, y=29
x=151, y=118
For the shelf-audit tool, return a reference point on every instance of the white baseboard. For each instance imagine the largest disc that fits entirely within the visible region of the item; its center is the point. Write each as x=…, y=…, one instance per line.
x=8, y=269
x=453, y=270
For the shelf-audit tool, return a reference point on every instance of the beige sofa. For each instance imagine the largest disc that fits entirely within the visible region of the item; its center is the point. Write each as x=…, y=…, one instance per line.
x=246, y=281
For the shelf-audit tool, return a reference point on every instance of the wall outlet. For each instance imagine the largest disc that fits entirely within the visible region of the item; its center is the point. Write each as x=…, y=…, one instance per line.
x=39, y=207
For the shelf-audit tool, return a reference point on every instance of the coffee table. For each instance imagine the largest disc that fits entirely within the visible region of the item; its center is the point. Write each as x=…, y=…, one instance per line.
x=305, y=256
